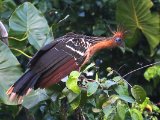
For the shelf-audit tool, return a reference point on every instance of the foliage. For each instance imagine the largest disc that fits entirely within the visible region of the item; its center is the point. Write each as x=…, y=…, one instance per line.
x=104, y=95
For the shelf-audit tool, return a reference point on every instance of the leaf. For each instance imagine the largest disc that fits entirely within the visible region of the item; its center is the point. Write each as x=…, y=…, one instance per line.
x=126, y=98
x=112, y=99
x=10, y=71
x=75, y=103
x=34, y=98
x=92, y=88
x=138, y=93
x=72, y=82
x=138, y=17
x=109, y=83
x=71, y=96
x=152, y=72
x=27, y=20
x=121, y=89
x=88, y=67
x=135, y=114
x=122, y=109
x=108, y=110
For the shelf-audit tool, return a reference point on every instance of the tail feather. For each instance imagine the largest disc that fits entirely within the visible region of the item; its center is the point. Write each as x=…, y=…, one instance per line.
x=22, y=87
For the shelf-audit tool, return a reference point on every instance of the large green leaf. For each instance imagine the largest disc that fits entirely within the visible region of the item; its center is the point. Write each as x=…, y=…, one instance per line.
x=137, y=17
x=34, y=98
x=138, y=93
x=26, y=20
x=10, y=71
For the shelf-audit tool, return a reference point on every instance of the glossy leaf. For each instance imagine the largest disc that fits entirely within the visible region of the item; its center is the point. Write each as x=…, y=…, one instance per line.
x=34, y=98
x=121, y=89
x=126, y=98
x=112, y=99
x=138, y=93
x=122, y=109
x=75, y=103
x=152, y=72
x=107, y=111
x=72, y=82
x=109, y=83
x=135, y=114
x=138, y=18
x=27, y=21
x=92, y=88
x=10, y=71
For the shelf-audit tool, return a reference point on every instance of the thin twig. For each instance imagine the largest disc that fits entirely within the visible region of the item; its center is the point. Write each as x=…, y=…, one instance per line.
x=21, y=52
x=123, y=78
x=140, y=68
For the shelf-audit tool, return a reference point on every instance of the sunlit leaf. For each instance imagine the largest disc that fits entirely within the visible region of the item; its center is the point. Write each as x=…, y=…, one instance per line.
x=152, y=72
x=26, y=20
x=72, y=82
x=135, y=114
x=138, y=93
x=137, y=17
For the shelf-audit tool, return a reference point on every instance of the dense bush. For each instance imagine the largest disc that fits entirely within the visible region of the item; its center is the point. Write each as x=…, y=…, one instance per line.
x=110, y=92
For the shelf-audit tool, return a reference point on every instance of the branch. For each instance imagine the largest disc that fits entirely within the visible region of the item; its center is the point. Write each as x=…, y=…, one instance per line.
x=3, y=33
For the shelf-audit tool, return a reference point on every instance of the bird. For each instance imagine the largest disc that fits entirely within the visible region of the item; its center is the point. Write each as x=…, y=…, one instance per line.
x=59, y=58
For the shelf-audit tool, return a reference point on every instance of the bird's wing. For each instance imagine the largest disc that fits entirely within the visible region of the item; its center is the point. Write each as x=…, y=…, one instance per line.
x=41, y=52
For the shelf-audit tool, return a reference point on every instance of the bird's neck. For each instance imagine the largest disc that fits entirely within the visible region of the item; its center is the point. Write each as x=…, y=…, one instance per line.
x=108, y=43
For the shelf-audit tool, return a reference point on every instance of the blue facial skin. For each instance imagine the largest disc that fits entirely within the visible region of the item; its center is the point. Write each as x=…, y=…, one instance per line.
x=118, y=40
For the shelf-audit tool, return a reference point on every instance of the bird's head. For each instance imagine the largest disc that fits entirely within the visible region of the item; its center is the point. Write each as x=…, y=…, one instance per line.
x=118, y=36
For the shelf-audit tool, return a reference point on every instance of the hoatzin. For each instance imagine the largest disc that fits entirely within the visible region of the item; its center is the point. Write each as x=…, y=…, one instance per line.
x=57, y=59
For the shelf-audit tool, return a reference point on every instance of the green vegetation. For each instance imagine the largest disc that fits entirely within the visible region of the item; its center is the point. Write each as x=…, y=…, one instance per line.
x=110, y=93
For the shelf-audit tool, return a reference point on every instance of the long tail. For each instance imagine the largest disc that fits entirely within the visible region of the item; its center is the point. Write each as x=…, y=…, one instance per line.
x=23, y=86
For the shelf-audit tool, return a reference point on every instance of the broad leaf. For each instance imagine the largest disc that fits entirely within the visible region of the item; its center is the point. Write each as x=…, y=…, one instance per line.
x=138, y=18
x=75, y=103
x=152, y=72
x=26, y=20
x=122, y=109
x=138, y=93
x=109, y=83
x=112, y=99
x=108, y=111
x=34, y=98
x=135, y=114
x=10, y=71
x=121, y=89
x=92, y=88
x=72, y=82
x=126, y=98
